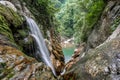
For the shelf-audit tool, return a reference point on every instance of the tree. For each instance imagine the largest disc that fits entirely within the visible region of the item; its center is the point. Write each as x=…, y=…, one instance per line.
x=78, y=17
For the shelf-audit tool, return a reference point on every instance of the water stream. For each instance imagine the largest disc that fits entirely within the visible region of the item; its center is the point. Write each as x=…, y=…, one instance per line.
x=68, y=51
x=41, y=52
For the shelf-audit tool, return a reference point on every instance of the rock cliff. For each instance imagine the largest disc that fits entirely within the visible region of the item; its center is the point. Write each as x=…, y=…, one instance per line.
x=100, y=59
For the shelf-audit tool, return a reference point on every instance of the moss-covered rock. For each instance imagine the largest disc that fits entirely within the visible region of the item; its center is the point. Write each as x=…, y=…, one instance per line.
x=9, y=21
x=12, y=27
x=4, y=28
x=11, y=16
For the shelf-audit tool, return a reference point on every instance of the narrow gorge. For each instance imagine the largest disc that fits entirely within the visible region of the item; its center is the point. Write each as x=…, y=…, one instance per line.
x=59, y=40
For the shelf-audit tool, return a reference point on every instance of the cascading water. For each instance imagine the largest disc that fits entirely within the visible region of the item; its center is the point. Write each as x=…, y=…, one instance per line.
x=42, y=51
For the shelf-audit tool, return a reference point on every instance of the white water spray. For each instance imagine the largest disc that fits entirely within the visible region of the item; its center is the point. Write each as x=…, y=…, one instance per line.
x=42, y=51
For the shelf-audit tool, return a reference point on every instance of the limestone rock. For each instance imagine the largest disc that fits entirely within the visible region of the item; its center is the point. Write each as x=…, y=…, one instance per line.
x=93, y=65
x=8, y=4
x=14, y=65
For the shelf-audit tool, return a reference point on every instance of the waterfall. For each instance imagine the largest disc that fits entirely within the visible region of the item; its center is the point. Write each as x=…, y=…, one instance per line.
x=42, y=51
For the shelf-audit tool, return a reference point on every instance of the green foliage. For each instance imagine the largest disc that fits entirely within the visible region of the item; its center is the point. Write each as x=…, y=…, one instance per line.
x=91, y=15
x=65, y=17
x=115, y=24
x=62, y=1
x=11, y=16
x=77, y=18
x=23, y=33
x=49, y=7
x=94, y=12
x=44, y=11
x=4, y=28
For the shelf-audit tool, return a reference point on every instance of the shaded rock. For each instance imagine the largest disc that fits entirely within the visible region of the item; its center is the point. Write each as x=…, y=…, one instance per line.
x=14, y=28
x=4, y=29
x=114, y=68
x=115, y=34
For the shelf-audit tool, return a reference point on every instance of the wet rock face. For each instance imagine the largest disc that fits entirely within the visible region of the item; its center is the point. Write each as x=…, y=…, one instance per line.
x=14, y=65
x=105, y=25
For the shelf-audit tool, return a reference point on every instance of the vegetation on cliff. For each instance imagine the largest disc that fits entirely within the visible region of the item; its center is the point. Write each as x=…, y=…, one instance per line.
x=9, y=21
x=77, y=18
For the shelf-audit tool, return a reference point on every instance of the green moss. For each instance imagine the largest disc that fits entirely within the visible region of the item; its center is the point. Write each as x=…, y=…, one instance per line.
x=10, y=75
x=92, y=17
x=3, y=64
x=4, y=28
x=115, y=24
x=7, y=73
x=10, y=23
x=11, y=16
x=22, y=33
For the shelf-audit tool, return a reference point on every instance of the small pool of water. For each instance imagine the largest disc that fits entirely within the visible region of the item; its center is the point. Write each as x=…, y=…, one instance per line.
x=68, y=53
